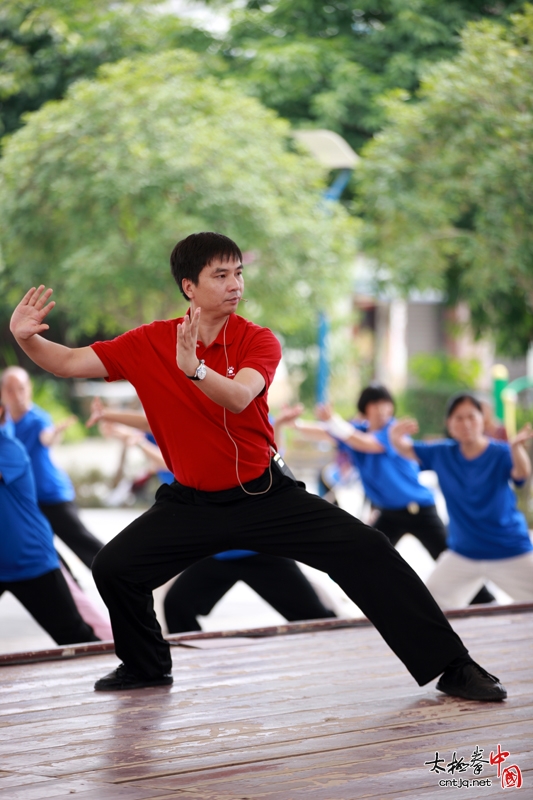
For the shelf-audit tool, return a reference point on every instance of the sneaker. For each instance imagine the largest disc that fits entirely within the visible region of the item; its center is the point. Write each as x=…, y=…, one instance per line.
x=121, y=678
x=472, y=682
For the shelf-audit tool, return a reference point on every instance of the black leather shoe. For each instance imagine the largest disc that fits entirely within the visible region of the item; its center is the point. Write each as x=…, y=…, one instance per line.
x=472, y=682
x=121, y=678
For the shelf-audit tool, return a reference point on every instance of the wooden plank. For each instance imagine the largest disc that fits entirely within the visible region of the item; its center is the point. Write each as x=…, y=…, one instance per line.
x=85, y=789
x=325, y=715
x=136, y=756
x=97, y=648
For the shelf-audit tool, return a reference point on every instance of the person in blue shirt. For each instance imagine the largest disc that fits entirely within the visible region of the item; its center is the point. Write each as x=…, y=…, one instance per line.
x=29, y=565
x=488, y=536
x=55, y=492
x=390, y=481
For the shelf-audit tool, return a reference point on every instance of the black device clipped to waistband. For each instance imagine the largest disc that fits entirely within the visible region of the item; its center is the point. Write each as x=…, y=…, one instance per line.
x=282, y=467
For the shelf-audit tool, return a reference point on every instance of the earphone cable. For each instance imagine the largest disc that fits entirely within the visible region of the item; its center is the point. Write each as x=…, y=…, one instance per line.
x=233, y=440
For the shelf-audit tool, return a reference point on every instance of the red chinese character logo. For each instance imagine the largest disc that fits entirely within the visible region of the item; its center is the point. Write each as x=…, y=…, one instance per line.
x=511, y=777
x=498, y=758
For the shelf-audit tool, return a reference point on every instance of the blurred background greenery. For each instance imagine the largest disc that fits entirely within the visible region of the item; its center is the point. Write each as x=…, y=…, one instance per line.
x=127, y=125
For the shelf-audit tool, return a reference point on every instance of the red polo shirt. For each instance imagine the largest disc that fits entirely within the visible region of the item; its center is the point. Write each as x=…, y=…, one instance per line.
x=187, y=425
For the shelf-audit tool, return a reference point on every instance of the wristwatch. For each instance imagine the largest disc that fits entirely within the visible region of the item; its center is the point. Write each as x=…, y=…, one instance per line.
x=201, y=372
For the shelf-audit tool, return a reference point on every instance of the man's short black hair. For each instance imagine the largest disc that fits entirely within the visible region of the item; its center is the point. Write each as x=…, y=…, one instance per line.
x=373, y=393
x=456, y=400
x=192, y=254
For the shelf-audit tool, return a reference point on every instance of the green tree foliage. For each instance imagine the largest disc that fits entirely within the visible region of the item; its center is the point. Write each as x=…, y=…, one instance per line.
x=436, y=376
x=328, y=61
x=446, y=187
x=97, y=188
x=45, y=45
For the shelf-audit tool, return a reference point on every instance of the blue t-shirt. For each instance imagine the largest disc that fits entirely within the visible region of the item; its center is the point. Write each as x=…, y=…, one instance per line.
x=52, y=484
x=484, y=520
x=389, y=480
x=9, y=427
x=26, y=539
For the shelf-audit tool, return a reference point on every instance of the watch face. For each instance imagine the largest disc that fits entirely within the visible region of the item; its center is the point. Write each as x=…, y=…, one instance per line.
x=201, y=372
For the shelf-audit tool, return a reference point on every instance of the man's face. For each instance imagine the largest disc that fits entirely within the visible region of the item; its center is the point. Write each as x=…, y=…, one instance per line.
x=219, y=288
x=379, y=413
x=16, y=394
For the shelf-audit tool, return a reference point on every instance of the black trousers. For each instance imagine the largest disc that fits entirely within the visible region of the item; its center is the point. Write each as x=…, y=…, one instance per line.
x=428, y=528
x=49, y=601
x=65, y=521
x=186, y=525
x=279, y=581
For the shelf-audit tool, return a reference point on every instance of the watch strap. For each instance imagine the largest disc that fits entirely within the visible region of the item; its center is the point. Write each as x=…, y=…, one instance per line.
x=195, y=377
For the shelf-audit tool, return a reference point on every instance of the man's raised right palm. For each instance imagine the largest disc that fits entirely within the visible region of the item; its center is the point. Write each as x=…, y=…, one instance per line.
x=27, y=318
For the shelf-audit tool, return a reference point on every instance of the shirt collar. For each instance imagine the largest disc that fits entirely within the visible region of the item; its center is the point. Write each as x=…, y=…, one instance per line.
x=230, y=330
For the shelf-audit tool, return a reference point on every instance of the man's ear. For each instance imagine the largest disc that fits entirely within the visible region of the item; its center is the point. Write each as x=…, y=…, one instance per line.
x=187, y=286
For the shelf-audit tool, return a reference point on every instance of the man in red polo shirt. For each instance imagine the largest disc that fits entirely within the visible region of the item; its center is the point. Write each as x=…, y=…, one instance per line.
x=203, y=381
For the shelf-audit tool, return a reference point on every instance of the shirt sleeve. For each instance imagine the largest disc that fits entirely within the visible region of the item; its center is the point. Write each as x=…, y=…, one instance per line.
x=382, y=436
x=506, y=461
x=119, y=355
x=14, y=461
x=36, y=421
x=426, y=454
x=44, y=421
x=263, y=354
x=506, y=457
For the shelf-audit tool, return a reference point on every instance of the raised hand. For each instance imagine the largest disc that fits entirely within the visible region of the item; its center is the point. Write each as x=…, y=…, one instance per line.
x=97, y=412
x=27, y=318
x=66, y=423
x=523, y=435
x=406, y=426
x=521, y=463
x=399, y=433
x=186, y=357
x=288, y=414
x=52, y=435
x=323, y=412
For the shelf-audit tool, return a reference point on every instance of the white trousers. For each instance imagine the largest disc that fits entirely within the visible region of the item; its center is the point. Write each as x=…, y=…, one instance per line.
x=456, y=579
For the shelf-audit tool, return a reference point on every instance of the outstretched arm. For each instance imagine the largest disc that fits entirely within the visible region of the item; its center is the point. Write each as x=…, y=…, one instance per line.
x=51, y=436
x=236, y=393
x=153, y=452
x=27, y=324
x=399, y=436
x=521, y=463
x=332, y=426
x=132, y=436
x=101, y=413
x=287, y=416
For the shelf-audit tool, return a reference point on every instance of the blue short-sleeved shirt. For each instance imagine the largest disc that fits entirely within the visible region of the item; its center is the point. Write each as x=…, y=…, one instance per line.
x=9, y=427
x=390, y=481
x=26, y=539
x=484, y=520
x=52, y=484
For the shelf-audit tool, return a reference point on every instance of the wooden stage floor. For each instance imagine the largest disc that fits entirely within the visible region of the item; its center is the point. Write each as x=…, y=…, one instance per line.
x=320, y=715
